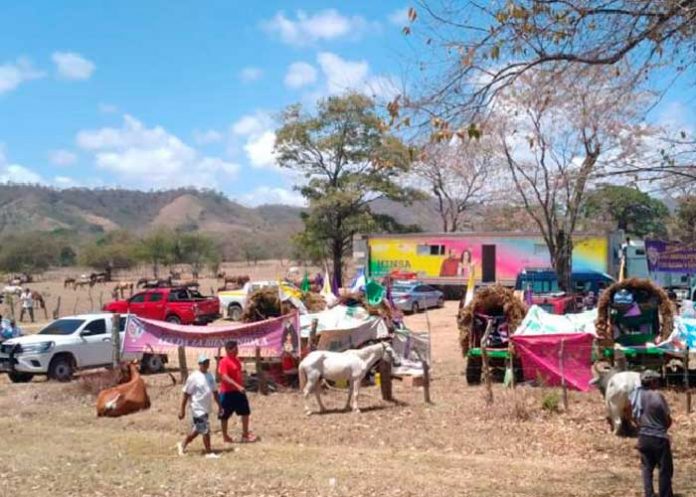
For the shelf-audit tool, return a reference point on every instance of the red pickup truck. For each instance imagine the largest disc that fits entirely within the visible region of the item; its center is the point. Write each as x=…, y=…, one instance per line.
x=175, y=305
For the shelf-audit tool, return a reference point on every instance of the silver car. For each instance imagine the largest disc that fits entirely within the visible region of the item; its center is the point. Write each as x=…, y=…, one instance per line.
x=414, y=297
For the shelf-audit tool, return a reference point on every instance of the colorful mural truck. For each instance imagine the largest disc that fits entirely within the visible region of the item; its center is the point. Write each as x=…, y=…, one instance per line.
x=446, y=259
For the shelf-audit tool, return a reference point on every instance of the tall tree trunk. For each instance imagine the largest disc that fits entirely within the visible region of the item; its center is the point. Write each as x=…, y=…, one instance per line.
x=562, y=260
x=337, y=258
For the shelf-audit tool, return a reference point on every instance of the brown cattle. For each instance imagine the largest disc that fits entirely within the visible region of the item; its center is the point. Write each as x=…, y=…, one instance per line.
x=68, y=282
x=236, y=280
x=125, y=398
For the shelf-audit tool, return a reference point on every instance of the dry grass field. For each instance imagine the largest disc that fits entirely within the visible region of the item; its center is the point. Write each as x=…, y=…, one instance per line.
x=53, y=444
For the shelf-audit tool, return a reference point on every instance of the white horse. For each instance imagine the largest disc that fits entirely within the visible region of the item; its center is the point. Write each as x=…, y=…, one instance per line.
x=351, y=366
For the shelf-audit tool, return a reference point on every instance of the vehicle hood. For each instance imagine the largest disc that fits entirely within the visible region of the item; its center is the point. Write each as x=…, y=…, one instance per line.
x=30, y=339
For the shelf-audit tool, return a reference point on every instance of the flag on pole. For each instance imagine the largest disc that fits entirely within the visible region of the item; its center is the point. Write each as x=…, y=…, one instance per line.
x=305, y=286
x=470, y=287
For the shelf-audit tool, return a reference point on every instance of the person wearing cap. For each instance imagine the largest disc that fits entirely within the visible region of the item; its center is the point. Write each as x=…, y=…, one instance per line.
x=652, y=413
x=199, y=392
x=233, y=398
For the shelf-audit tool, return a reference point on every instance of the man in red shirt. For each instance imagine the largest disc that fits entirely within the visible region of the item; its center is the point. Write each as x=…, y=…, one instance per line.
x=233, y=398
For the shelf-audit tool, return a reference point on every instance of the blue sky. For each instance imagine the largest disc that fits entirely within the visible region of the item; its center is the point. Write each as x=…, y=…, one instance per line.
x=156, y=94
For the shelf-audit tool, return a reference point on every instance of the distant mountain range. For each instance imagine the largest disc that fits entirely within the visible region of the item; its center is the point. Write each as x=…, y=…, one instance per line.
x=90, y=212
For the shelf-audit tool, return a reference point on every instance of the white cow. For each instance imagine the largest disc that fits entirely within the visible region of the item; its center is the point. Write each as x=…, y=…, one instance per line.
x=616, y=386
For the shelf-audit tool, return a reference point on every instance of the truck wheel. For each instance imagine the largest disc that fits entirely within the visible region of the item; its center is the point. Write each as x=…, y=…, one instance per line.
x=473, y=370
x=234, y=312
x=151, y=363
x=415, y=308
x=61, y=368
x=17, y=377
x=173, y=319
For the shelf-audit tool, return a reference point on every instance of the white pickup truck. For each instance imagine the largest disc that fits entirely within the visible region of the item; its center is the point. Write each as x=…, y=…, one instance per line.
x=232, y=302
x=66, y=345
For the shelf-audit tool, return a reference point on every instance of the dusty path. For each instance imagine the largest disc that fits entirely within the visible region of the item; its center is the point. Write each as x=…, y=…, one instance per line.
x=54, y=445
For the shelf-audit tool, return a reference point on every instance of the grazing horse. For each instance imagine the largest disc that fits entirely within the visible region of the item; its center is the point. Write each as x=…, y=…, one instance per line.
x=351, y=366
x=83, y=283
x=121, y=288
x=67, y=282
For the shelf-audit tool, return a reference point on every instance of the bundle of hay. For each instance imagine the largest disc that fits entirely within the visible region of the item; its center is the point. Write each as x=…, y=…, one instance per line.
x=313, y=302
x=383, y=310
x=646, y=294
x=491, y=300
x=264, y=304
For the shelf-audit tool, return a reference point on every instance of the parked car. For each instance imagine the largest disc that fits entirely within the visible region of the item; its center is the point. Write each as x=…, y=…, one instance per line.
x=545, y=281
x=66, y=345
x=414, y=296
x=234, y=301
x=175, y=305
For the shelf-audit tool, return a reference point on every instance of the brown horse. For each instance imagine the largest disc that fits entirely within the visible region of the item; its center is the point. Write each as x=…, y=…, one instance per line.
x=122, y=287
x=67, y=282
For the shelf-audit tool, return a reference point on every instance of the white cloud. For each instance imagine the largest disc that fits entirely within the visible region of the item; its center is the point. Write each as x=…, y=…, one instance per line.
x=272, y=195
x=343, y=75
x=14, y=173
x=257, y=131
x=250, y=74
x=64, y=181
x=206, y=137
x=152, y=157
x=307, y=29
x=105, y=108
x=13, y=74
x=399, y=17
x=300, y=74
x=71, y=65
x=62, y=157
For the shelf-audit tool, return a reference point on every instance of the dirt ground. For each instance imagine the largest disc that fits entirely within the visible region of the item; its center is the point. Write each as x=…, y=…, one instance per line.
x=53, y=444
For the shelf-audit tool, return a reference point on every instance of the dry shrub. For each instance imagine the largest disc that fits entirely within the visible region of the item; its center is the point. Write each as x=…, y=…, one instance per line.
x=383, y=310
x=551, y=401
x=264, y=304
x=647, y=294
x=491, y=300
x=93, y=383
x=313, y=302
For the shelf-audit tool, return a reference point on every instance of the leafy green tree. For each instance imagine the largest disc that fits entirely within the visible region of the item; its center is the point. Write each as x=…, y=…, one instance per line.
x=196, y=249
x=116, y=250
x=31, y=252
x=686, y=219
x=629, y=209
x=158, y=248
x=347, y=158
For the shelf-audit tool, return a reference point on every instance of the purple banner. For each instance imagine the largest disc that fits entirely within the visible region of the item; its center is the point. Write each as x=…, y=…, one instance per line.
x=670, y=257
x=272, y=336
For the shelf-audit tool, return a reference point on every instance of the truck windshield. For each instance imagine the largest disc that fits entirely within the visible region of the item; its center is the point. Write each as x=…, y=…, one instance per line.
x=62, y=327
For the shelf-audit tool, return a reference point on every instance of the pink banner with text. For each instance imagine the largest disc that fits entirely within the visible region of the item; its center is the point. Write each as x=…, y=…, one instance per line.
x=273, y=336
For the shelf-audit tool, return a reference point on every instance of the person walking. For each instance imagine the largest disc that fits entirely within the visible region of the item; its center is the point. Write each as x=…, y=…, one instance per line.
x=27, y=300
x=651, y=411
x=199, y=392
x=233, y=398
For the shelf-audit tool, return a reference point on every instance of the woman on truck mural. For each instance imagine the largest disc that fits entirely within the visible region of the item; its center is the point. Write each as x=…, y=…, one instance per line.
x=465, y=264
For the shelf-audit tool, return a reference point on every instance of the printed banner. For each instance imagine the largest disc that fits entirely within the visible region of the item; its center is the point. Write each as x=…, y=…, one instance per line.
x=540, y=358
x=272, y=336
x=670, y=257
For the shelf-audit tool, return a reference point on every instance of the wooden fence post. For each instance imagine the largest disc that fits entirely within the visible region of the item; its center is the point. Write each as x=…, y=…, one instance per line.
x=183, y=369
x=260, y=373
x=115, y=340
x=486, y=366
x=313, y=335
x=56, y=311
x=385, y=385
x=686, y=382
x=563, y=380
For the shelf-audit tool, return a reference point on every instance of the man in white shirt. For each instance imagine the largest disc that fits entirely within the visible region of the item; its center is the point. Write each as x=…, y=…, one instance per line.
x=199, y=392
x=27, y=300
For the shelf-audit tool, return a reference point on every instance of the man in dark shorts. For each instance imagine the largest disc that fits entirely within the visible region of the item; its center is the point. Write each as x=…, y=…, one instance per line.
x=233, y=398
x=654, y=419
